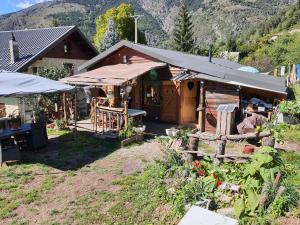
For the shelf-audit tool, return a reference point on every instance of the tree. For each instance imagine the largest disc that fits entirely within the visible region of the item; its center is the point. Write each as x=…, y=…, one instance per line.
x=110, y=37
x=183, y=30
x=124, y=23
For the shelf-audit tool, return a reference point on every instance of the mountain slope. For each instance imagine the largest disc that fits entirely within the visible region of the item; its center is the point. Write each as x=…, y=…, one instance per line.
x=213, y=18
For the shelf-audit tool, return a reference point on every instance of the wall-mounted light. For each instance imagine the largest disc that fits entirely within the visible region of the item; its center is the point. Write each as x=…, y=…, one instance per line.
x=128, y=89
x=125, y=61
x=67, y=47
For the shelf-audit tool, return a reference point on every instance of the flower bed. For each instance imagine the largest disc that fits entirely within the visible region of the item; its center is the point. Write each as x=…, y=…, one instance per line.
x=256, y=192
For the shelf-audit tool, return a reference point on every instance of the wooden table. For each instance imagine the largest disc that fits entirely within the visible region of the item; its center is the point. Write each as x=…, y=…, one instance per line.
x=8, y=133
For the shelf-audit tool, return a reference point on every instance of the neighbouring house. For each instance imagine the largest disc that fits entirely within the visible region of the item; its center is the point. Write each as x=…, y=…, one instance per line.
x=176, y=87
x=29, y=50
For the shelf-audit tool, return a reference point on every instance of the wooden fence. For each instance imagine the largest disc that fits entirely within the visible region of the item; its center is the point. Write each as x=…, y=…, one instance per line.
x=221, y=140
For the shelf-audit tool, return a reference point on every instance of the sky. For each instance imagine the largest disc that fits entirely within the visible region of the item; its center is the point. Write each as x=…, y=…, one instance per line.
x=8, y=6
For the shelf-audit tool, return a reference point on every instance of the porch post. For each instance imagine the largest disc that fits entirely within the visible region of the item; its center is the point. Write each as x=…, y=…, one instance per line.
x=95, y=109
x=75, y=109
x=201, y=109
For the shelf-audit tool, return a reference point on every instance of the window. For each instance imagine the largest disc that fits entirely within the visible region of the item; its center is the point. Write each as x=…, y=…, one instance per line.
x=151, y=94
x=34, y=70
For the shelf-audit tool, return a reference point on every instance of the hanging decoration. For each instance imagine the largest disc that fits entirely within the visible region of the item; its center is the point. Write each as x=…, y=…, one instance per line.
x=153, y=74
x=190, y=85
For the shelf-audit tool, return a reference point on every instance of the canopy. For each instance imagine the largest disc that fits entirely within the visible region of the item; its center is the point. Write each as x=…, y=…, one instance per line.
x=19, y=84
x=115, y=75
x=248, y=69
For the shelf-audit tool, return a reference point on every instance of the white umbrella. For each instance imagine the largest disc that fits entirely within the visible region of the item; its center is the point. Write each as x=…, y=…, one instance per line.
x=20, y=84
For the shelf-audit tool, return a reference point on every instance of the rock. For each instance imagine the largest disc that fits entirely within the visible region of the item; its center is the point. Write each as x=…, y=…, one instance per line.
x=226, y=211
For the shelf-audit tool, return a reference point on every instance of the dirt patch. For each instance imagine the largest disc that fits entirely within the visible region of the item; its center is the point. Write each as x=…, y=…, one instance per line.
x=96, y=176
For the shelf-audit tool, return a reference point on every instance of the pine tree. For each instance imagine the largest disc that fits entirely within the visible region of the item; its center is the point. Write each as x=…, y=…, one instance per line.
x=183, y=30
x=110, y=37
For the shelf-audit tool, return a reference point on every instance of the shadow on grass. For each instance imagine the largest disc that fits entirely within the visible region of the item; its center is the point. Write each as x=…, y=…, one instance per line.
x=70, y=151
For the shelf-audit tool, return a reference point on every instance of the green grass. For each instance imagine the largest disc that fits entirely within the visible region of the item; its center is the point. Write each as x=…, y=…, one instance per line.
x=138, y=202
x=292, y=159
x=291, y=133
x=296, y=92
x=73, y=152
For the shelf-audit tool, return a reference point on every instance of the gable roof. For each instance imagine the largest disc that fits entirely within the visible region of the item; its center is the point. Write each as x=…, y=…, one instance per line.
x=33, y=44
x=220, y=70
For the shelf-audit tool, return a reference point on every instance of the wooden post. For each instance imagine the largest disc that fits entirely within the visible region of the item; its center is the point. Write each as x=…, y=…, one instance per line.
x=126, y=113
x=75, y=109
x=193, y=146
x=201, y=114
x=220, y=150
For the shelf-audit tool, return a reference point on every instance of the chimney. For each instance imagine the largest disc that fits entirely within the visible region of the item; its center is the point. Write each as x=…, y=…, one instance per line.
x=210, y=53
x=13, y=49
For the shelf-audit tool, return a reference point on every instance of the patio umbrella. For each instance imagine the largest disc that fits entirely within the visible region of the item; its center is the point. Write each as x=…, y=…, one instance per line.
x=20, y=84
x=248, y=69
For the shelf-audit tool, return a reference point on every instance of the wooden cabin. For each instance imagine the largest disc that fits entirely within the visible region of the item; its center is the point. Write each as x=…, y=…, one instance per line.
x=187, y=89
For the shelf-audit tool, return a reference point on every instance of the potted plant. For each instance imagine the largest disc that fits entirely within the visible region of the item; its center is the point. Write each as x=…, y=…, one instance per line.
x=172, y=132
x=248, y=149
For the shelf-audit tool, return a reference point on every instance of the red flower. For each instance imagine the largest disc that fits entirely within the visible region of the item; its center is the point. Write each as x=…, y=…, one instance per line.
x=193, y=169
x=219, y=183
x=197, y=163
x=201, y=172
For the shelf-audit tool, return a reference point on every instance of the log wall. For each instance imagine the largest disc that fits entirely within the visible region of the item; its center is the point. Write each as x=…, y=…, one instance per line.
x=216, y=94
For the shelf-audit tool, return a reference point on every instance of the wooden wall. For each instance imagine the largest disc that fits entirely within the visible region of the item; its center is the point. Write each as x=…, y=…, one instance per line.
x=79, y=49
x=117, y=58
x=216, y=94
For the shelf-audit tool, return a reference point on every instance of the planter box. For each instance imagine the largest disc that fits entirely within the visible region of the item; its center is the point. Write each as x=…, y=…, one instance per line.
x=133, y=139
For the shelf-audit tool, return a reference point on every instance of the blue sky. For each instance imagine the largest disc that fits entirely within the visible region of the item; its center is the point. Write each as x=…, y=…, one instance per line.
x=7, y=6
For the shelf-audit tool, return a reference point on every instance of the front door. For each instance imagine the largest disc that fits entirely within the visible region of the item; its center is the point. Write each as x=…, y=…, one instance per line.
x=169, y=102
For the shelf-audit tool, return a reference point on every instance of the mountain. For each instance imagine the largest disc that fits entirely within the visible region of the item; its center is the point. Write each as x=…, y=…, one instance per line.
x=273, y=43
x=213, y=19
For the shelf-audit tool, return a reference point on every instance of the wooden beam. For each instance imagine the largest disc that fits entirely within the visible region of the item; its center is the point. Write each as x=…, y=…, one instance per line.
x=201, y=112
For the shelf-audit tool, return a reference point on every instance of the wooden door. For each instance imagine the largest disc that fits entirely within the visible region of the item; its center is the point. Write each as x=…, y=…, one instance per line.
x=169, y=103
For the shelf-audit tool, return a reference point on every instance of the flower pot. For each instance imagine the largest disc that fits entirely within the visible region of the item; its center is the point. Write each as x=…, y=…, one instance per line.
x=248, y=149
x=169, y=132
x=174, y=132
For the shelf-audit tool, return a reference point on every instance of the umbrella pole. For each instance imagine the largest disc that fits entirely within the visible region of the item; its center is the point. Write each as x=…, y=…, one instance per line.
x=23, y=110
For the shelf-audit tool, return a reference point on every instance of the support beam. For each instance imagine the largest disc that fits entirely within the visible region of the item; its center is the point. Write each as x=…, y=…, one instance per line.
x=201, y=108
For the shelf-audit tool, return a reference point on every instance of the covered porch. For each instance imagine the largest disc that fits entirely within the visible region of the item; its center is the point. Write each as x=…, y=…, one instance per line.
x=121, y=91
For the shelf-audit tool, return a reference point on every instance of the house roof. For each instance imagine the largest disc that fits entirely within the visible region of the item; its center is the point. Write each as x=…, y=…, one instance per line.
x=116, y=75
x=220, y=70
x=33, y=44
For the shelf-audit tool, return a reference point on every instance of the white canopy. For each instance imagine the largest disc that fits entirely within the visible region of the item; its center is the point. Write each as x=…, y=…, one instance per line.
x=19, y=84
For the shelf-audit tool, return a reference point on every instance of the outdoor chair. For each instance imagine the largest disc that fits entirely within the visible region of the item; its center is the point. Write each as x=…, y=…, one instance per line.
x=38, y=137
x=9, y=151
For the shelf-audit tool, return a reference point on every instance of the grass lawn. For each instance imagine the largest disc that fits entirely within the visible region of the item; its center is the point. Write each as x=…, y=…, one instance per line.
x=81, y=180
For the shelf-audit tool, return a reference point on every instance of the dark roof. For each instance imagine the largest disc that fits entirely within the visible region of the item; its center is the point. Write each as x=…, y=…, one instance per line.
x=33, y=44
x=220, y=70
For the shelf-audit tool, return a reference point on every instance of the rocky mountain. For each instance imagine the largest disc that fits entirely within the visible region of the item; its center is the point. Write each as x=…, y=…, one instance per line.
x=213, y=19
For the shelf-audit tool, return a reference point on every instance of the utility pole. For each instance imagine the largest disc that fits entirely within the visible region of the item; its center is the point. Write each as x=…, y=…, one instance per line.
x=136, y=17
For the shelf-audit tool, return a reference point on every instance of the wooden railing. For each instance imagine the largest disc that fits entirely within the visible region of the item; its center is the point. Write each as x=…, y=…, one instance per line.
x=108, y=118
x=221, y=141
